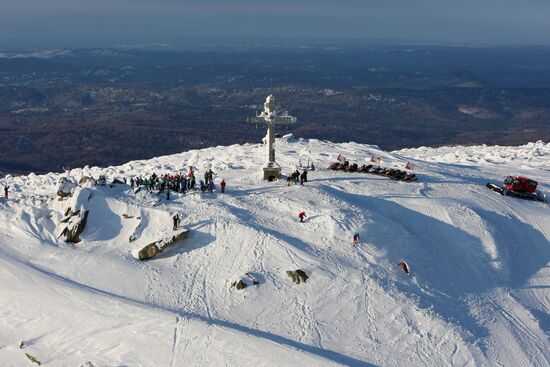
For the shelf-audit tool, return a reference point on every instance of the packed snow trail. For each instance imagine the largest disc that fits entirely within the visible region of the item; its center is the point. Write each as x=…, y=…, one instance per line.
x=477, y=293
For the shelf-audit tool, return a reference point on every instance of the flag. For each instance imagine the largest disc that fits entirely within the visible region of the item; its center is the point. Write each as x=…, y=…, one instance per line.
x=410, y=165
x=376, y=159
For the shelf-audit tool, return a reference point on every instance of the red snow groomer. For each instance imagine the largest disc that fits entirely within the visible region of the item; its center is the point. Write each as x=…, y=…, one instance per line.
x=519, y=187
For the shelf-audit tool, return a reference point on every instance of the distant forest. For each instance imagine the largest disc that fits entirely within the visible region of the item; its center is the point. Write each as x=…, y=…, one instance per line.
x=103, y=107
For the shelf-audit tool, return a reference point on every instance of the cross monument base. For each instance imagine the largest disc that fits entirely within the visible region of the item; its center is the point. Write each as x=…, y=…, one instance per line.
x=272, y=172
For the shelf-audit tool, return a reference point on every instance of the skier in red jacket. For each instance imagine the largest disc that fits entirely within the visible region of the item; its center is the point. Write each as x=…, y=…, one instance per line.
x=222, y=184
x=404, y=266
x=301, y=216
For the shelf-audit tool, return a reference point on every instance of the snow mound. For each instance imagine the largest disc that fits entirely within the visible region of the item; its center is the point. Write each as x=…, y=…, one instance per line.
x=532, y=154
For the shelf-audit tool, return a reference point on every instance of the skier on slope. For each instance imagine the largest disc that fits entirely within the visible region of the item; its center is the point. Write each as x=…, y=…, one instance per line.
x=355, y=239
x=301, y=215
x=222, y=185
x=6, y=188
x=404, y=266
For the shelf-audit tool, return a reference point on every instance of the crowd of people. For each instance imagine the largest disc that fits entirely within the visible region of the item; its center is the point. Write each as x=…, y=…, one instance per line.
x=179, y=182
x=183, y=182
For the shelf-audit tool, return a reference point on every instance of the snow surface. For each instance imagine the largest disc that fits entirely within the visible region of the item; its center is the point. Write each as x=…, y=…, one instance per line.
x=478, y=294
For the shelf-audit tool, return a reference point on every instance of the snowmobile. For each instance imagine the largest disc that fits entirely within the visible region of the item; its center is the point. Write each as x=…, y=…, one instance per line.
x=394, y=174
x=339, y=166
x=352, y=168
x=409, y=177
x=519, y=187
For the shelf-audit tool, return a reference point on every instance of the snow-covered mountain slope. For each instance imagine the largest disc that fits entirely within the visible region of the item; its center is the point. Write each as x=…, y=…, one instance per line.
x=478, y=293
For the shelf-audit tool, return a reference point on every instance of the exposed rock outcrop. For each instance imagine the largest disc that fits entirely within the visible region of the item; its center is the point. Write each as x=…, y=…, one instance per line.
x=87, y=181
x=65, y=187
x=152, y=249
x=245, y=281
x=75, y=227
x=297, y=275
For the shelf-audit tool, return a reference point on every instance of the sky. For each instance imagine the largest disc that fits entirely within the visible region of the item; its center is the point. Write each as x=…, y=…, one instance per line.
x=61, y=23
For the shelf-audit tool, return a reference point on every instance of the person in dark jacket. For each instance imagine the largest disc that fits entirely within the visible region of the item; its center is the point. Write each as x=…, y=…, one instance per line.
x=6, y=189
x=296, y=176
x=355, y=239
x=176, y=219
x=303, y=177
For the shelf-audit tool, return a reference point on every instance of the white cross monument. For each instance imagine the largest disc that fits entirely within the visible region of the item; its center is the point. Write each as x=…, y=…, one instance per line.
x=271, y=116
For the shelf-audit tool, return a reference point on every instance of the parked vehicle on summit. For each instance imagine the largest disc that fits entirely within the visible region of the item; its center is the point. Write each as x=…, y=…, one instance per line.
x=519, y=187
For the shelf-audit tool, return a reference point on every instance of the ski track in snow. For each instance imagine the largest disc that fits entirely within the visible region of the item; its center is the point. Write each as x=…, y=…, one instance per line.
x=477, y=295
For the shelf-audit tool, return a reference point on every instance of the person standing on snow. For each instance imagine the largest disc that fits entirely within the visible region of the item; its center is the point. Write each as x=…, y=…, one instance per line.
x=176, y=219
x=355, y=239
x=222, y=185
x=183, y=184
x=404, y=266
x=6, y=188
x=302, y=215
